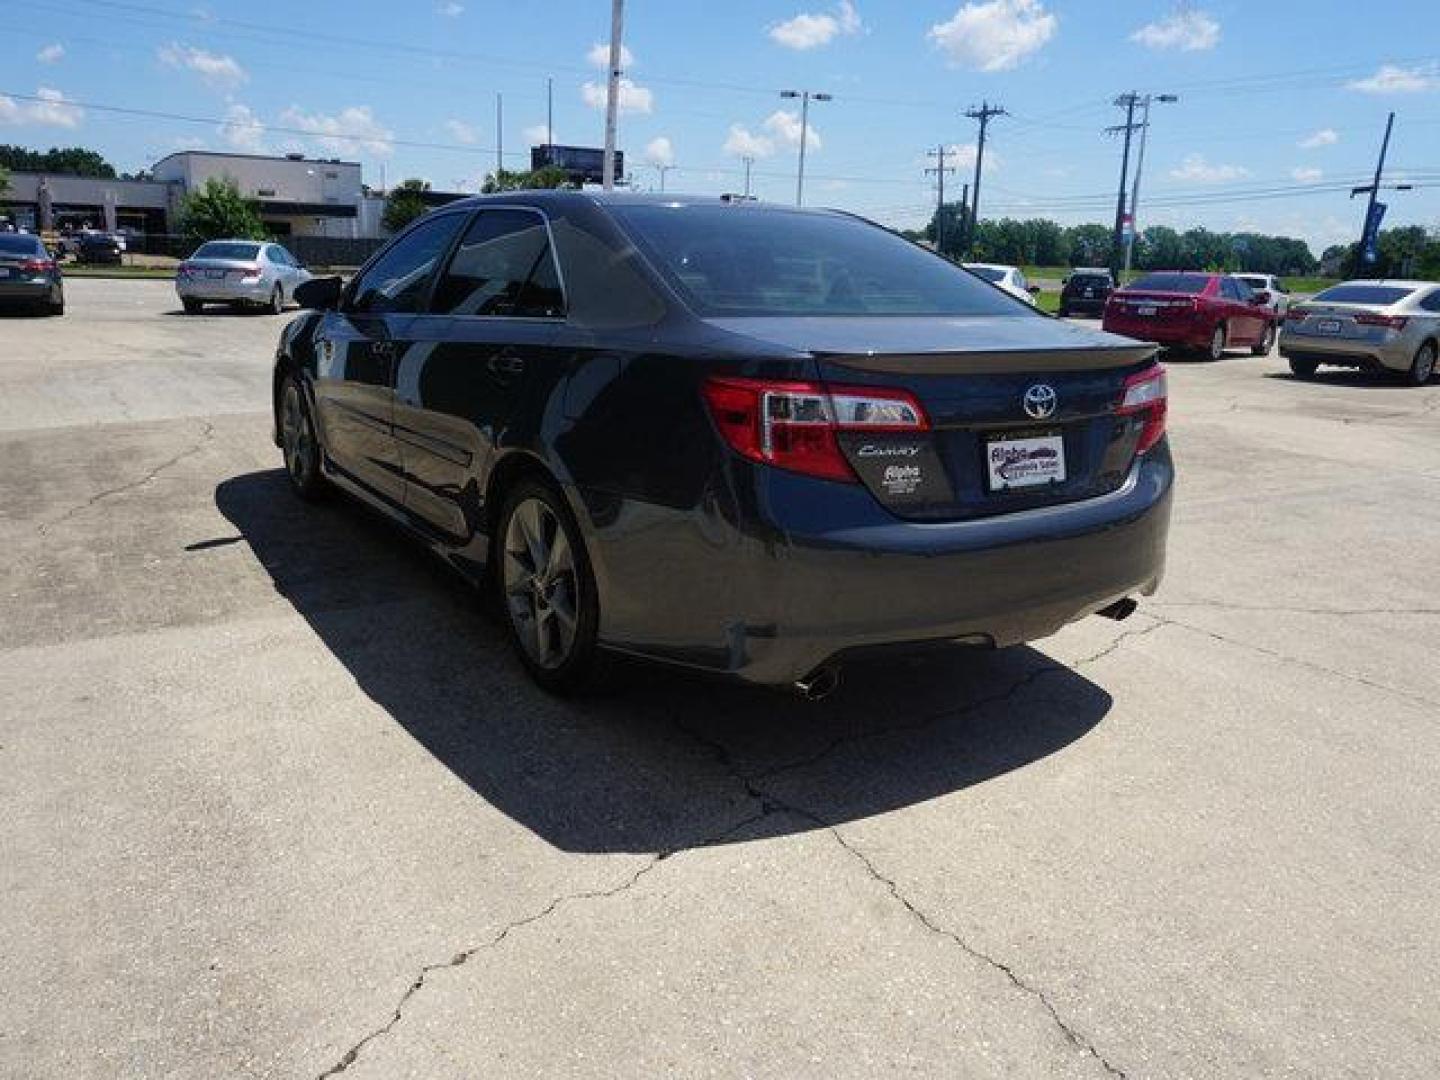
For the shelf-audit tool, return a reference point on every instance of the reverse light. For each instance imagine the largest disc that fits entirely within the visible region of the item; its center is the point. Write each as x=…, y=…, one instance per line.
x=793, y=425
x=1146, y=396
x=1296, y=314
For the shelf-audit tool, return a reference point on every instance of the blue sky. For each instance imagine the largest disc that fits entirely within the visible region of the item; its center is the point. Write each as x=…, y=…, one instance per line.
x=1280, y=104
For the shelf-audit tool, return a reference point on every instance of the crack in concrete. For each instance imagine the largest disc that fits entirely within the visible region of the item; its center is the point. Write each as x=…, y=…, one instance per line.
x=206, y=434
x=1288, y=609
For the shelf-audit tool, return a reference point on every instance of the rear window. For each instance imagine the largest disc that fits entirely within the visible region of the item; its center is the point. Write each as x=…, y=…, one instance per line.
x=1252, y=281
x=1383, y=295
x=225, y=249
x=989, y=273
x=729, y=260
x=1181, y=283
x=1090, y=279
x=19, y=245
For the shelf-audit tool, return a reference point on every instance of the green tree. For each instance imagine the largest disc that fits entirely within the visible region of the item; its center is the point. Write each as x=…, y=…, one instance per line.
x=952, y=216
x=217, y=211
x=1089, y=244
x=68, y=161
x=4, y=180
x=404, y=204
x=551, y=176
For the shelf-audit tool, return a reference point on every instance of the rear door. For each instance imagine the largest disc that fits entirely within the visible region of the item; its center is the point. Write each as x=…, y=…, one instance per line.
x=1247, y=319
x=471, y=360
x=358, y=349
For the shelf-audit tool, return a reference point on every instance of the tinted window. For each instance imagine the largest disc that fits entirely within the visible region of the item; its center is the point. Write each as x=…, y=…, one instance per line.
x=1179, y=283
x=1091, y=281
x=1384, y=295
x=225, y=249
x=989, y=273
x=1252, y=281
x=503, y=266
x=399, y=279
x=736, y=260
x=19, y=245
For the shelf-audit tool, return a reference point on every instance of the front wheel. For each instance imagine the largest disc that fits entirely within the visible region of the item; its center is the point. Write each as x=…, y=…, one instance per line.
x=547, y=590
x=298, y=442
x=1303, y=369
x=1423, y=366
x=1266, y=343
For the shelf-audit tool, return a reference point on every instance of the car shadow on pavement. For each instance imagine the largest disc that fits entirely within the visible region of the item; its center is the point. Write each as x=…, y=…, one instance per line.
x=664, y=761
x=1363, y=380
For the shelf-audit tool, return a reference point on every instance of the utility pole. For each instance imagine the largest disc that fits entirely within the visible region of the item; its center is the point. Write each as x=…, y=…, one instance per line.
x=549, y=120
x=662, y=170
x=499, y=135
x=940, y=153
x=1128, y=102
x=612, y=93
x=749, y=161
x=805, y=97
x=1168, y=99
x=984, y=114
x=1374, y=210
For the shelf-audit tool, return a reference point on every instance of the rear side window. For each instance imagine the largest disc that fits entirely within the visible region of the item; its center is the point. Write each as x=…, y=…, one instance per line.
x=1383, y=295
x=742, y=261
x=399, y=280
x=504, y=266
x=20, y=245
x=1178, y=283
x=1432, y=302
x=224, y=249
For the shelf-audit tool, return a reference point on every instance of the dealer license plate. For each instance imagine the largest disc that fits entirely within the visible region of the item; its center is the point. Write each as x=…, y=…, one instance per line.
x=1328, y=326
x=1029, y=462
x=1146, y=309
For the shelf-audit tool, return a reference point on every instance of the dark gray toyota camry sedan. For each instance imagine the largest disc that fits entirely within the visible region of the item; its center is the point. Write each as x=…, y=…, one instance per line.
x=744, y=439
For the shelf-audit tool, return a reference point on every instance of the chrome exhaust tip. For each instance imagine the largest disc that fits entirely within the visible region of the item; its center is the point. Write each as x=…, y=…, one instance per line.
x=1120, y=610
x=819, y=684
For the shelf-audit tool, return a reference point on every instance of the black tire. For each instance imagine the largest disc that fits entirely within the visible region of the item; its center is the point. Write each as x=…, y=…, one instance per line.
x=1064, y=313
x=277, y=302
x=192, y=307
x=299, y=442
x=1303, y=369
x=1423, y=366
x=1266, y=343
x=532, y=598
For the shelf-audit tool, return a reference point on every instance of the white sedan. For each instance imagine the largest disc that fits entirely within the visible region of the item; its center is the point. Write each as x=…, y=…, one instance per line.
x=1008, y=278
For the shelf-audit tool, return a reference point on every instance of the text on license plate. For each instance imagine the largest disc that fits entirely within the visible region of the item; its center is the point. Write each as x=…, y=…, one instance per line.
x=1145, y=309
x=1328, y=326
x=1028, y=462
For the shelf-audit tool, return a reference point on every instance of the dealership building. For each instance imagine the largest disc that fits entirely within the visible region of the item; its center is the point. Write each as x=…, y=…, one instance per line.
x=296, y=196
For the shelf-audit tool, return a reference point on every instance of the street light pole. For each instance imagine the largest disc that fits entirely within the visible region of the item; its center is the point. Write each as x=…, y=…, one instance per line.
x=805, y=97
x=1168, y=99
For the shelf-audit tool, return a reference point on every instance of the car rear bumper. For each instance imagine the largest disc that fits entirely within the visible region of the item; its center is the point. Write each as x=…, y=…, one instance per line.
x=224, y=292
x=1187, y=334
x=770, y=595
x=1081, y=305
x=1396, y=355
x=27, y=291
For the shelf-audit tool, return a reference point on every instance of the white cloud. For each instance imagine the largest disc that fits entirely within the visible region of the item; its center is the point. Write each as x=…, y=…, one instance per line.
x=1393, y=79
x=659, y=151
x=353, y=130
x=450, y=9
x=51, y=54
x=52, y=109
x=1304, y=174
x=1187, y=30
x=633, y=98
x=221, y=72
x=599, y=56
x=1197, y=169
x=811, y=31
x=961, y=156
x=996, y=35
x=242, y=130
x=462, y=132
x=785, y=127
x=1323, y=137
x=742, y=142
x=537, y=135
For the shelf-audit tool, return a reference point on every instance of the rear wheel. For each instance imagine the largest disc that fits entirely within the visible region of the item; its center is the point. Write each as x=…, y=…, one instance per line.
x=1264, y=345
x=192, y=307
x=1303, y=369
x=1216, y=351
x=56, y=303
x=547, y=591
x=1423, y=366
x=299, y=443
x=277, y=301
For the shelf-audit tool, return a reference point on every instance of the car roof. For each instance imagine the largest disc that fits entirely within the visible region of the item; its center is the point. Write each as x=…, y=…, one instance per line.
x=570, y=196
x=1401, y=283
x=989, y=266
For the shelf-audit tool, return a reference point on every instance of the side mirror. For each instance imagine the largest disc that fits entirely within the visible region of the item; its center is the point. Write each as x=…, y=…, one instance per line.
x=319, y=294
x=1261, y=296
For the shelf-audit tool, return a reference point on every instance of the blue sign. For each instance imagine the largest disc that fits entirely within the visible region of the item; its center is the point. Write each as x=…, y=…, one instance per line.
x=1370, y=241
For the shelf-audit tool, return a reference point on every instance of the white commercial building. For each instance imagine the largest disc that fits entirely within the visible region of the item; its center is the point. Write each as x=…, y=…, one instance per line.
x=298, y=196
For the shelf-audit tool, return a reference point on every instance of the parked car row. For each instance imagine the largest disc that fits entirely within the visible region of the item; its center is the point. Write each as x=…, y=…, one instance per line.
x=29, y=275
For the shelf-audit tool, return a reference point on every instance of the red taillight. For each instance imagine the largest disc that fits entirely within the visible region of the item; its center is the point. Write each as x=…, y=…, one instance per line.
x=37, y=266
x=1296, y=314
x=250, y=273
x=793, y=425
x=1390, y=322
x=1145, y=396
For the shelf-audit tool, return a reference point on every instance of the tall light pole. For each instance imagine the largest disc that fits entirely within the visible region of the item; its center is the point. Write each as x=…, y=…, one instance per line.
x=612, y=92
x=1167, y=99
x=805, y=97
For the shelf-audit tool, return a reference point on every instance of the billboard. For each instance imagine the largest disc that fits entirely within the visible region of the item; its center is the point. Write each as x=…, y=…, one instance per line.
x=585, y=164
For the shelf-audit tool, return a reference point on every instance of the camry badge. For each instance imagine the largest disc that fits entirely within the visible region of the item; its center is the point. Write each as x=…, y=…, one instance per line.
x=1040, y=401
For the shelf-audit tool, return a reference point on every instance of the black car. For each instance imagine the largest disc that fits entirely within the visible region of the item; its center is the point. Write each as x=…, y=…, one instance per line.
x=100, y=249
x=29, y=276
x=1085, y=293
x=743, y=439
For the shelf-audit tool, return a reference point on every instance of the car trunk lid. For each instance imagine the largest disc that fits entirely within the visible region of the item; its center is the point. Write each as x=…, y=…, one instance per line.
x=1021, y=411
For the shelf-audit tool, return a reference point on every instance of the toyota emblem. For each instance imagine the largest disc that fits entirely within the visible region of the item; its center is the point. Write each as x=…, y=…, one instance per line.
x=1040, y=401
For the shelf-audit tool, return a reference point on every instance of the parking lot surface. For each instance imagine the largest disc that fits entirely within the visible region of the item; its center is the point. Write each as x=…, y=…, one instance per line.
x=275, y=800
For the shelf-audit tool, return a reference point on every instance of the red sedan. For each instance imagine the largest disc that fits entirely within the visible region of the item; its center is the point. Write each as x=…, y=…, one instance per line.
x=1209, y=312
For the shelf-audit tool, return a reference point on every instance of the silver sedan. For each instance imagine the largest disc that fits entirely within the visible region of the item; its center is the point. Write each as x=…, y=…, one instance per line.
x=1383, y=325
x=240, y=273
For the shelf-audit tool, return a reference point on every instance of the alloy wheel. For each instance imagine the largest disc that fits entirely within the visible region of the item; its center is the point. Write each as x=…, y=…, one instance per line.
x=1423, y=366
x=297, y=437
x=1217, y=344
x=540, y=584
